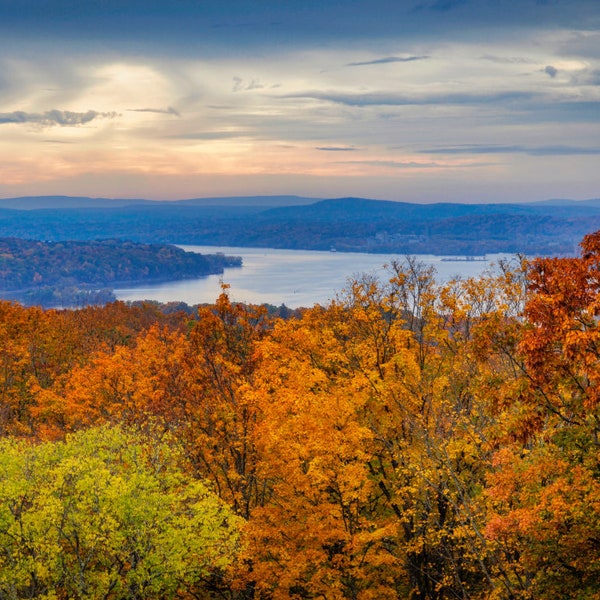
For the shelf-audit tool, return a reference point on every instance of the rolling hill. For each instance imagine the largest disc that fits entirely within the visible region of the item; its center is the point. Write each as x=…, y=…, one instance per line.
x=346, y=224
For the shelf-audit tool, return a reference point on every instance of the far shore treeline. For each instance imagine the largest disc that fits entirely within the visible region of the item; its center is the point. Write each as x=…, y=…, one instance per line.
x=408, y=440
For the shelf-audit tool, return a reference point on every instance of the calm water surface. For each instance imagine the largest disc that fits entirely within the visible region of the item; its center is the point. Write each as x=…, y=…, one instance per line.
x=291, y=277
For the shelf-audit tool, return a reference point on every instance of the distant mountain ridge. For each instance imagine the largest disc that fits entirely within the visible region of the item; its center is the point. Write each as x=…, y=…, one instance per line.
x=567, y=202
x=293, y=222
x=67, y=202
x=72, y=202
x=373, y=210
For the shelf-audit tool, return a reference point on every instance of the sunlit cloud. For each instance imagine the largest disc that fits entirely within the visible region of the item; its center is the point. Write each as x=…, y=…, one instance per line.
x=283, y=113
x=208, y=135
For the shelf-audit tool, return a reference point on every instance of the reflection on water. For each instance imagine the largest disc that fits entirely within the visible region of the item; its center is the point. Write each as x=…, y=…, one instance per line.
x=291, y=277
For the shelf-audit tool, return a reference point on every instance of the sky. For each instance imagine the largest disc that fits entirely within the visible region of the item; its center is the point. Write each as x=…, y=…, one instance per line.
x=409, y=100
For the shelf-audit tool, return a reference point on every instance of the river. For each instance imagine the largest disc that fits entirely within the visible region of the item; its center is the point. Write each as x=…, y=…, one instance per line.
x=291, y=277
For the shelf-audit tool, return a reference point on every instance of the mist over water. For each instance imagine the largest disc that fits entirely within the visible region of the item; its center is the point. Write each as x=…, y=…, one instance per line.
x=291, y=277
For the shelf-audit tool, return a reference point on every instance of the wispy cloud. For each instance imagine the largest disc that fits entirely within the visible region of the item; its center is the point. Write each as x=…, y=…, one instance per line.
x=50, y=118
x=387, y=59
x=391, y=99
x=165, y=111
x=577, y=111
x=586, y=77
x=336, y=149
x=594, y=77
x=439, y=5
x=208, y=135
x=239, y=85
x=557, y=150
x=507, y=60
x=562, y=150
x=401, y=164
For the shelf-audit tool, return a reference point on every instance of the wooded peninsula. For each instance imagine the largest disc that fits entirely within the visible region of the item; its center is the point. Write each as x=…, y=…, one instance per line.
x=73, y=273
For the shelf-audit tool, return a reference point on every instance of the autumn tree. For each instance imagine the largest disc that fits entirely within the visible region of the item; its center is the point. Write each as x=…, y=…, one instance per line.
x=428, y=421
x=196, y=383
x=105, y=514
x=39, y=349
x=220, y=367
x=374, y=439
x=544, y=488
x=317, y=535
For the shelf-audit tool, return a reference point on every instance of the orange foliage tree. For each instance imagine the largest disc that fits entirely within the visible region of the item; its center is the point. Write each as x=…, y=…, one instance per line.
x=195, y=383
x=544, y=488
x=373, y=438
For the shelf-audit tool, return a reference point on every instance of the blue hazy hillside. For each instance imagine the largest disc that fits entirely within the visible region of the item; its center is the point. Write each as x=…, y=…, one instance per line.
x=82, y=202
x=346, y=224
x=359, y=209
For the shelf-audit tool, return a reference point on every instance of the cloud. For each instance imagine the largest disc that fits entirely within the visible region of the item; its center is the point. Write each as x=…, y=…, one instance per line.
x=165, y=111
x=557, y=150
x=507, y=60
x=594, y=77
x=586, y=77
x=577, y=111
x=391, y=99
x=474, y=149
x=50, y=118
x=336, y=149
x=585, y=44
x=208, y=135
x=550, y=70
x=240, y=86
x=184, y=27
x=398, y=164
x=387, y=59
x=440, y=5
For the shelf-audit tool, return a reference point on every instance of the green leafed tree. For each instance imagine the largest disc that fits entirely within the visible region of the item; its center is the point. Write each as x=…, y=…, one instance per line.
x=106, y=515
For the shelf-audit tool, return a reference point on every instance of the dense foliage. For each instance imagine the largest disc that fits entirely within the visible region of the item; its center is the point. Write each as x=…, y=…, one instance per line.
x=105, y=514
x=408, y=440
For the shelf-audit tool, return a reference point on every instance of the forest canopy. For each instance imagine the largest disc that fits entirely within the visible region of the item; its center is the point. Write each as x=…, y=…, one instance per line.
x=410, y=439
